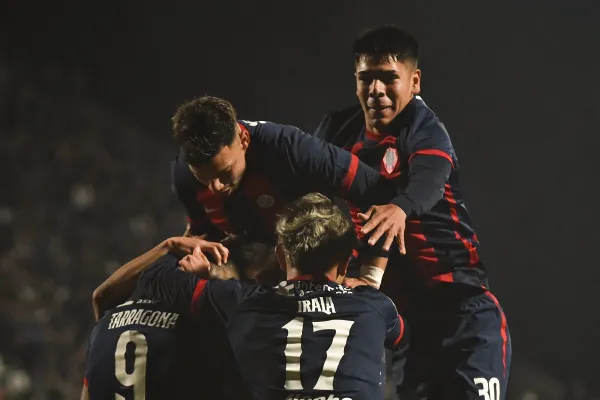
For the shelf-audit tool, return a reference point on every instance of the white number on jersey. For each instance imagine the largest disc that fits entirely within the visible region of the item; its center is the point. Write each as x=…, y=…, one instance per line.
x=335, y=352
x=489, y=390
x=137, y=377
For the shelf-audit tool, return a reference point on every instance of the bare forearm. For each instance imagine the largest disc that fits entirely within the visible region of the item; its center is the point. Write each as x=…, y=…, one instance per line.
x=117, y=287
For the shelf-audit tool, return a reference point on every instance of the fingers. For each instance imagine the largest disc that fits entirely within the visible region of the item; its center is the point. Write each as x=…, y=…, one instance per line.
x=196, y=263
x=400, y=239
x=373, y=222
x=224, y=252
x=219, y=252
x=383, y=227
x=389, y=239
x=185, y=264
x=366, y=215
x=204, y=259
x=214, y=251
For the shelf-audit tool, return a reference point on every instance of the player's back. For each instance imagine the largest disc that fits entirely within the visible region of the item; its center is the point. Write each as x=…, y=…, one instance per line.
x=314, y=340
x=150, y=347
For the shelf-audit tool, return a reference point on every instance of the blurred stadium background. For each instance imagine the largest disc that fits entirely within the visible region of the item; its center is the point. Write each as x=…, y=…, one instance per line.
x=85, y=99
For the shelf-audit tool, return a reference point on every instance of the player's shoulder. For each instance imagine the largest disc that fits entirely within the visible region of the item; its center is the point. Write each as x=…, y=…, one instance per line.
x=275, y=139
x=344, y=119
x=233, y=287
x=376, y=299
x=342, y=115
x=425, y=118
x=268, y=131
x=158, y=267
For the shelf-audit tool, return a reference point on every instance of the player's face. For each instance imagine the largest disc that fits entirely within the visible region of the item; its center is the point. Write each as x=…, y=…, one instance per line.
x=384, y=88
x=224, y=172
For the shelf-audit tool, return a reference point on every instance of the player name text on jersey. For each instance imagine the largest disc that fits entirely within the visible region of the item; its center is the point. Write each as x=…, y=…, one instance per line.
x=317, y=304
x=159, y=319
x=297, y=396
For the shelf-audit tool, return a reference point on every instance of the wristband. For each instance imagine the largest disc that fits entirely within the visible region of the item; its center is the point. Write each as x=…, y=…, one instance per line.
x=372, y=275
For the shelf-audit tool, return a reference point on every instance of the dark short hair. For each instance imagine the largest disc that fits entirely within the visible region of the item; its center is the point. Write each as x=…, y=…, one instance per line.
x=387, y=41
x=202, y=127
x=250, y=261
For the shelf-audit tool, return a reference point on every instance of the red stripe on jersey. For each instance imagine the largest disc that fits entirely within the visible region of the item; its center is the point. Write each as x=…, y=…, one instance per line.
x=350, y=175
x=473, y=256
x=503, y=330
x=356, y=148
x=401, y=331
x=198, y=292
x=85, y=382
x=372, y=135
x=358, y=222
x=416, y=242
x=448, y=277
x=302, y=278
x=432, y=152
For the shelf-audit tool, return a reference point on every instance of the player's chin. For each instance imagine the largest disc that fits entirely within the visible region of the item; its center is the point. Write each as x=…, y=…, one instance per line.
x=381, y=118
x=381, y=123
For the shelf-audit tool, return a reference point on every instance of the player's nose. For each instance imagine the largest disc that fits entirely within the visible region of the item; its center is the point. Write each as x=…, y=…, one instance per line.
x=216, y=186
x=377, y=89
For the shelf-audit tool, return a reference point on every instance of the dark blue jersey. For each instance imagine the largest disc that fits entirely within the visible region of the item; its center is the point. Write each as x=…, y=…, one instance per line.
x=152, y=347
x=309, y=339
x=418, y=156
x=282, y=164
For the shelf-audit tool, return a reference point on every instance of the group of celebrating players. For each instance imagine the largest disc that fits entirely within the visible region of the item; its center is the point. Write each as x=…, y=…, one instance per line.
x=276, y=289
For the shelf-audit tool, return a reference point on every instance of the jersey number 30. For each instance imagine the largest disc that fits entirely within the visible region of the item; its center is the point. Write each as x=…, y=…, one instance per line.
x=335, y=352
x=137, y=377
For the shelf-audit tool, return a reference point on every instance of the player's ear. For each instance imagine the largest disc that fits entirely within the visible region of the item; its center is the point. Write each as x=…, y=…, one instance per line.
x=244, y=138
x=281, y=257
x=416, y=81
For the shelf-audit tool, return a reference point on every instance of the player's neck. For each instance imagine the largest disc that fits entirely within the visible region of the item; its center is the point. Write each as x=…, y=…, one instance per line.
x=375, y=130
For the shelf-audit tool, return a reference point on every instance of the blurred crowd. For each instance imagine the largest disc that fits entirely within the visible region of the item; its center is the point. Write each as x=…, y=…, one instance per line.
x=82, y=192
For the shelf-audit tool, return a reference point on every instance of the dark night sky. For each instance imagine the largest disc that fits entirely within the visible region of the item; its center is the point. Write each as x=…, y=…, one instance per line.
x=515, y=82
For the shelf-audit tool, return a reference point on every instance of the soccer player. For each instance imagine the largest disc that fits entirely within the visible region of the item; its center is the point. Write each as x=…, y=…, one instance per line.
x=233, y=177
x=153, y=346
x=461, y=346
x=310, y=337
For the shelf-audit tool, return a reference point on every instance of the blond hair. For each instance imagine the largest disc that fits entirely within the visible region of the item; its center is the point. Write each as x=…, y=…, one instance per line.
x=315, y=234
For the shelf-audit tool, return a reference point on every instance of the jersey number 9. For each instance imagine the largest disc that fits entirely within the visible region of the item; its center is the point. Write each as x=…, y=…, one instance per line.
x=137, y=377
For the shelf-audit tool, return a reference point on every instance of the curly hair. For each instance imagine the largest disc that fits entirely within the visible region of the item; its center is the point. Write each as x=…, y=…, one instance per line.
x=315, y=234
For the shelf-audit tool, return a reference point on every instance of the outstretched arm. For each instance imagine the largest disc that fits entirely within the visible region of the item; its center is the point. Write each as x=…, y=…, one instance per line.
x=119, y=286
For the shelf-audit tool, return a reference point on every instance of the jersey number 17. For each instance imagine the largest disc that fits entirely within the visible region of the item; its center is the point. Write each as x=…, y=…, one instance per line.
x=335, y=352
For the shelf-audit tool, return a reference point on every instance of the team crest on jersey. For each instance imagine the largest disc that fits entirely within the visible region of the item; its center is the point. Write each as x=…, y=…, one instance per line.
x=265, y=201
x=390, y=159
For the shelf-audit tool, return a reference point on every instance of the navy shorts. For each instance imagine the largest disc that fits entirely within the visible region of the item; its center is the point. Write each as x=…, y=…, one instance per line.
x=459, y=348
